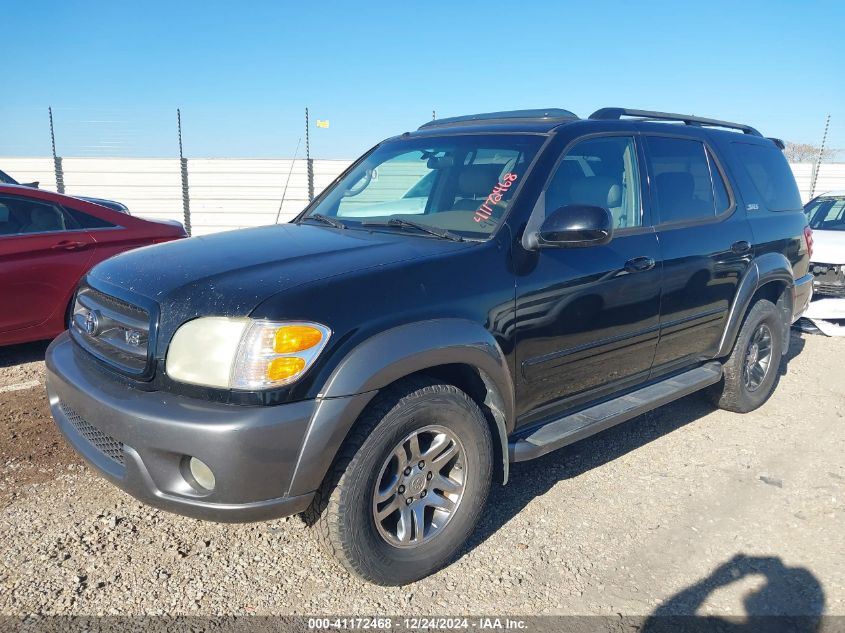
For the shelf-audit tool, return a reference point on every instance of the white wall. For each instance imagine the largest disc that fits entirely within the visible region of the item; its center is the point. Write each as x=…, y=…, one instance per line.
x=31, y=170
x=235, y=193
x=831, y=177
x=148, y=186
x=224, y=193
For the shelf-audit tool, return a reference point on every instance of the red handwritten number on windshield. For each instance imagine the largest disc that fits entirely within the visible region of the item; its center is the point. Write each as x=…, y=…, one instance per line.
x=485, y=211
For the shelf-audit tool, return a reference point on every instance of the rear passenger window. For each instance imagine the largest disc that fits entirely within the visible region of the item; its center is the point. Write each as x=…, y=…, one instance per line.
x=682, y=189
x=771, y=176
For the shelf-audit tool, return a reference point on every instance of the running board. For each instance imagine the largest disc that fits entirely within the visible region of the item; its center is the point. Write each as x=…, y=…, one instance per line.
x=569, y=429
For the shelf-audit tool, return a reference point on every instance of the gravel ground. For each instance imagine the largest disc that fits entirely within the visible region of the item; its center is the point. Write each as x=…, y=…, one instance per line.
x=683, y=509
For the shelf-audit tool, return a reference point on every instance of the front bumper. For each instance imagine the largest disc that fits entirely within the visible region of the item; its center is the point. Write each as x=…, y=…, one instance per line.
x=828, y=280
x=139, y=441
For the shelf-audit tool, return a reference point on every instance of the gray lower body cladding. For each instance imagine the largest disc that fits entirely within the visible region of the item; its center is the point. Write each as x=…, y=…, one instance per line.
x=803, y=290
x=141, y=442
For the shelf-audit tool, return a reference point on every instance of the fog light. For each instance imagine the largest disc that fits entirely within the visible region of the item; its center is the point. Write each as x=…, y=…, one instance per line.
x=201, y=473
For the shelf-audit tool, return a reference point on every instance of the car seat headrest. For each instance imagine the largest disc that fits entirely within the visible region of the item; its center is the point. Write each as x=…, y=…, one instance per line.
x=479, y=180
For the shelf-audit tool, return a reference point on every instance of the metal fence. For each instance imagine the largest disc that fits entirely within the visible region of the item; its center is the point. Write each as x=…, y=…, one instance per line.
x=228, y=193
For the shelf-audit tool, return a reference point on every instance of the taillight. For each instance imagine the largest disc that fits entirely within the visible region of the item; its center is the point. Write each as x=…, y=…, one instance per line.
x=808, y=237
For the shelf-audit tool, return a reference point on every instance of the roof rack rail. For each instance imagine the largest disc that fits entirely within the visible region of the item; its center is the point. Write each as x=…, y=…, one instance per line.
x=545, y=114
x=607, y=114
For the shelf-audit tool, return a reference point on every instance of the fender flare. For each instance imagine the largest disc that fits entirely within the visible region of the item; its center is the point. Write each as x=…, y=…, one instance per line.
x=764, y=269
x=387, y=357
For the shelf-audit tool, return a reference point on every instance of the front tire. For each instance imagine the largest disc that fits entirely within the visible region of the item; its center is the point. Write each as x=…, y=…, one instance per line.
x=751, y=371
x=408, y=485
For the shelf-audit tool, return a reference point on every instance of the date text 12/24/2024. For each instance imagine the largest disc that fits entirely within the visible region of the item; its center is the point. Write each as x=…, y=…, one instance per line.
x=416, y=624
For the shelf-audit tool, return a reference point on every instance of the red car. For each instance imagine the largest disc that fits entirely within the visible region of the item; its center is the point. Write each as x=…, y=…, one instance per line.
x=47, y=242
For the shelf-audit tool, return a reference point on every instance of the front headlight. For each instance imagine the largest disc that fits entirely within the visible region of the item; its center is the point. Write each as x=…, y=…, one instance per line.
x=242, y=353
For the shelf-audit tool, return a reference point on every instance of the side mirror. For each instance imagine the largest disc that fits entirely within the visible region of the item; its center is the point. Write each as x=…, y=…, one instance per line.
x=574, y=226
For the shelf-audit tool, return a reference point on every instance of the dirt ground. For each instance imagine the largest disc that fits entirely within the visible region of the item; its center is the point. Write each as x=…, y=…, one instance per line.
x=687, y=509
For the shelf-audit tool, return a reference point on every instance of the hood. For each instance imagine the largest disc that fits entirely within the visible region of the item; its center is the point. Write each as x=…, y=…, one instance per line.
x=829, y=247
x=231, y=273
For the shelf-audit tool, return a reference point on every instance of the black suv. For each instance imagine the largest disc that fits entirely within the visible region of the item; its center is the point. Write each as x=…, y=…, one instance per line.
x=481, y=291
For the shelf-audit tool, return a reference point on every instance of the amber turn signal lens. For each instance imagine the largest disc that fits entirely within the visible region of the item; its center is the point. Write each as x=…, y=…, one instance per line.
x=285, y=367
x=295, y=338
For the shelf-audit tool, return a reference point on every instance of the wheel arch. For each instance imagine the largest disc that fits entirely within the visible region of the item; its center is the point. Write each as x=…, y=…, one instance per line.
x=457, y=351
x=481, y=387
x=769, y=277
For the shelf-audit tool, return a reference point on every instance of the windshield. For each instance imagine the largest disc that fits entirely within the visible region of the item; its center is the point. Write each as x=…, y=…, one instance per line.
x=462, y=185
x=826, y=214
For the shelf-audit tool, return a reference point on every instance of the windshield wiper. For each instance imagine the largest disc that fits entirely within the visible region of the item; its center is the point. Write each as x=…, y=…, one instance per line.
x=410, y=224
x=325, y=220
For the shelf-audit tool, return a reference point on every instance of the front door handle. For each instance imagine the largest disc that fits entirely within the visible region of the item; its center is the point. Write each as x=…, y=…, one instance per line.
x=741, y=247
x=640, y=264
x=68, y=245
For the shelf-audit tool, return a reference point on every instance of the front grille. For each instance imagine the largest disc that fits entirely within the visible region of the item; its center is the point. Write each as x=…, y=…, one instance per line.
x=829, y=289
x=829, y=279
x=115, y=331
x=106, y=444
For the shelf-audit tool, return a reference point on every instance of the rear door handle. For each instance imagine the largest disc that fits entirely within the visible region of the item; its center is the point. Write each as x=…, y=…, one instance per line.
x=640, y=264
x=68, y=245
x=741, y=247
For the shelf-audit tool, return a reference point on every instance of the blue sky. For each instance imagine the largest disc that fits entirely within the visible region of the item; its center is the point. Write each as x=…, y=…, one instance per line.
x=242, y=73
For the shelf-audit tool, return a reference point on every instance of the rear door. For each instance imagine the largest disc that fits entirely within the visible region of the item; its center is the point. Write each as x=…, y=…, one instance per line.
x=773, y=202
x=587, y=318
x=109, y=235
x=705, y=243
x=43, y=252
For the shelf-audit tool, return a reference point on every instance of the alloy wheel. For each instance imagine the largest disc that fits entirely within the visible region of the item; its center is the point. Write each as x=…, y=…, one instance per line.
x=758, y=358
x=419, y=487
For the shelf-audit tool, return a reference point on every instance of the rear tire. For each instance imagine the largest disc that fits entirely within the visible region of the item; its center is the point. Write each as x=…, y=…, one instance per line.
x=751, y=371
x=408, y=485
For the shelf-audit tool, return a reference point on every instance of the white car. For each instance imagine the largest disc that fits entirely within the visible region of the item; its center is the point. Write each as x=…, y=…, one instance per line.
x=826, y=216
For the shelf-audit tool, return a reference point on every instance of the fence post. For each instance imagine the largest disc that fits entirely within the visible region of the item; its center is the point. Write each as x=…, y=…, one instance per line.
x=57, y=161
x=818, y=164
x=183, y=164
x=308, y=162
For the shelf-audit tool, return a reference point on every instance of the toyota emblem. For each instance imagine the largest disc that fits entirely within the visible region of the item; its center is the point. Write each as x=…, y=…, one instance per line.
x=92, y=324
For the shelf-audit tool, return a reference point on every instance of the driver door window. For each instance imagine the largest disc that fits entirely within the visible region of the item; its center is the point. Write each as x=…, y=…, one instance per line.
x=599, y=172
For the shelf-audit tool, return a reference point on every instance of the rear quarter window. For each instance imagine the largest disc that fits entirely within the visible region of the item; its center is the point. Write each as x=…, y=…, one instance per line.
x=87, y=221
x=770, y=175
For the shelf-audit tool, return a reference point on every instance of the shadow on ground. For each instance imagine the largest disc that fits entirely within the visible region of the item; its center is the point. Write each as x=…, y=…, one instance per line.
x=534, y=478
x=12, y=355
x=796, y=346
x=790, y=599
